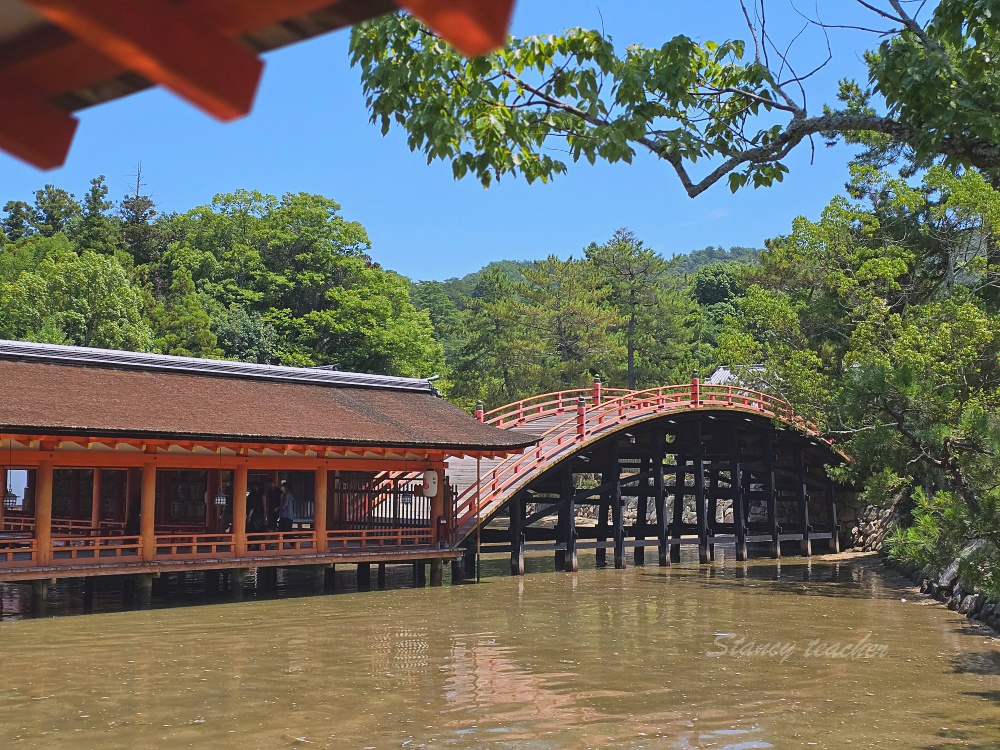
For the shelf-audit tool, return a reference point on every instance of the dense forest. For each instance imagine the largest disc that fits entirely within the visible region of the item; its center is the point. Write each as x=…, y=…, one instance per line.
x=291, y=281
x=249, y=277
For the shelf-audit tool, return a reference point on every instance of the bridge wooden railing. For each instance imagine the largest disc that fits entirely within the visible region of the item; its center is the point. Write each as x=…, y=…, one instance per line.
x=16, y=524
x=281, y=542
x=593, y=416
x=64, y=526
x=547, y=404
x=71, y=526
x=74, y=549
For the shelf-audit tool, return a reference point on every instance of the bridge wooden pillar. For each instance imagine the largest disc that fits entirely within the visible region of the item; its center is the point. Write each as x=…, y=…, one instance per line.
x=660, y=498
x=240, y=510
x=701, y=506
x=739, y=499
x=831, y=516
x=712, y=516
x=133, y=481
x=680, y=490
x=803, y=493
x=772, y=499
x=469, y=558
x=562, y=524
x=617, y=514
x=516, y=511
x=641, y=510
x=320, y=498
x=571, y=562
x=603, y=511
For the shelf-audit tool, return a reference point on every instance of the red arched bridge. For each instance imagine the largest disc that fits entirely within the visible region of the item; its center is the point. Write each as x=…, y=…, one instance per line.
x=693, y=464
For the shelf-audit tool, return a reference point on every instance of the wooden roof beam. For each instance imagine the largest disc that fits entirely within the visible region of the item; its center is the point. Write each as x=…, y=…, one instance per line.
x=34, y=130
x=166, y=44
x=473, y=27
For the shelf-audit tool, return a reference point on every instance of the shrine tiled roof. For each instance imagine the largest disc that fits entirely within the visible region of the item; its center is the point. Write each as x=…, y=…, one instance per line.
x=61, y=390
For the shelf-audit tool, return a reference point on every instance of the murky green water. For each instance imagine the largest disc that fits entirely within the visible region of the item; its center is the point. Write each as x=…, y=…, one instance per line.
x=642, y=658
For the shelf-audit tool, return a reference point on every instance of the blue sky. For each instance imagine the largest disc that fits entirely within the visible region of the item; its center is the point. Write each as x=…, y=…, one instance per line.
x=309, y=131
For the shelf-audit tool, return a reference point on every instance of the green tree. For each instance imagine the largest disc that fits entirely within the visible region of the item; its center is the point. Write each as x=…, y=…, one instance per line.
x=634, y=276
x=245, y=336
x=880, y=322
x=55, y=210
x=574, y=331
x=98, y=230
x=522, y=109
x=367, y=323
x=180, y=323
x=143, y=238
x=444, y=314
x=19, y=221
x=304, y=269
x=496, y=363
x=66, y=298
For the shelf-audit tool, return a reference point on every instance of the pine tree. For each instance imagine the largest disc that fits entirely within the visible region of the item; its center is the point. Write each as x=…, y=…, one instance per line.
x=56, y=210
x=633, y=274
x=181, y=325
x=143, y=239
x=98, y=231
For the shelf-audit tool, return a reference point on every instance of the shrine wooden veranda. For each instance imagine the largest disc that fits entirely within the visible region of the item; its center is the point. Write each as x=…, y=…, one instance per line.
x=143, y=465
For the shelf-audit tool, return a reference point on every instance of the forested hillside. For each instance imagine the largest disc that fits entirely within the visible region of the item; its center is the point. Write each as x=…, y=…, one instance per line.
x=290, y=280
x=620, y=310
x=879, y=319
x=250, y=277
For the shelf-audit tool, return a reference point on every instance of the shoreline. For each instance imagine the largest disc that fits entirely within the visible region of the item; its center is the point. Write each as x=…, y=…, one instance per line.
x=944, y=587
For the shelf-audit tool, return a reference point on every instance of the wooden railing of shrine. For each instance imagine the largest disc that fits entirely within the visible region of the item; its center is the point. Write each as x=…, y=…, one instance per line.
x=379, y=538
x=68, y=550
x=78, y=549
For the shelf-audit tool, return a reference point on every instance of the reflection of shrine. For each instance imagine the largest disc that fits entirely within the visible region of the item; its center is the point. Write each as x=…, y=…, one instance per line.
x=484, y=676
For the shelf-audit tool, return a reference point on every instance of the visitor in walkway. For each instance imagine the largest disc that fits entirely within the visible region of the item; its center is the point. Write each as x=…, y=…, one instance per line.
x=273, y=494
x=226, y=522
x=256, y=522
x=286, y=513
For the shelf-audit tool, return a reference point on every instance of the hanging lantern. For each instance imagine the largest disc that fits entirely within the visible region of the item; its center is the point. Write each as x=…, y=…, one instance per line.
x=10, y=500
x=221, y=499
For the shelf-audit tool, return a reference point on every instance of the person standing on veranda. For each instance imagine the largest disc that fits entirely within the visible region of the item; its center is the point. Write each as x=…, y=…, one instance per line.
x=286, y=510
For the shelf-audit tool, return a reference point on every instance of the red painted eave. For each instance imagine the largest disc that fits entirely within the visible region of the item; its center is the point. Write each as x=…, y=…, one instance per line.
x=58, y=56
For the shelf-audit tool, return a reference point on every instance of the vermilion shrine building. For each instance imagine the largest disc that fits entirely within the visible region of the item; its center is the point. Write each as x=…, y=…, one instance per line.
x=141, y=463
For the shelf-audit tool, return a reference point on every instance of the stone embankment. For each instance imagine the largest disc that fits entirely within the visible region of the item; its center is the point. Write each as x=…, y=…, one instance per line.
x=872, y=526
x=945, y=586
